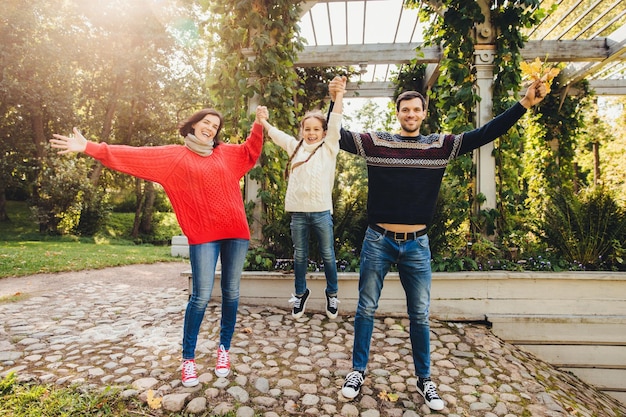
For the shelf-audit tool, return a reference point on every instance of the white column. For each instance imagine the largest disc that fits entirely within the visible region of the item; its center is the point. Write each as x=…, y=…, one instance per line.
x=252, y=187
x=483, y=158
x=251, y=191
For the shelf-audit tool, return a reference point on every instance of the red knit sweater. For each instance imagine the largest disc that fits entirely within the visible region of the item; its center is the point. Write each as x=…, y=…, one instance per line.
x=205, y=192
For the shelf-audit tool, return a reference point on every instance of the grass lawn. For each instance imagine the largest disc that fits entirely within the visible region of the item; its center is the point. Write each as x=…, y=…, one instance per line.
x=23, y=251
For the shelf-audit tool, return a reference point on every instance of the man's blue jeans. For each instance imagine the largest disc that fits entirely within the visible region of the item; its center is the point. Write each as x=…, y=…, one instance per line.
x=203, y=260
x=321, y=223
x=413, y=259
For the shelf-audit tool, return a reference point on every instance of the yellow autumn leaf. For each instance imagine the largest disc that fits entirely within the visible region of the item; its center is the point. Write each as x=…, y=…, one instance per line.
x=551, y=74
x=392, y=397
x=388, y=396
x=537, y=70
x=153, y=402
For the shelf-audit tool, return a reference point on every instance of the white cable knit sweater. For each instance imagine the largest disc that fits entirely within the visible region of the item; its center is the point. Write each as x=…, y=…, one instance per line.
x=310, y=185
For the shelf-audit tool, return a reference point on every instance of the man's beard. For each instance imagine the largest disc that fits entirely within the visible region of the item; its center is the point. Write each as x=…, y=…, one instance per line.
x=406, y=129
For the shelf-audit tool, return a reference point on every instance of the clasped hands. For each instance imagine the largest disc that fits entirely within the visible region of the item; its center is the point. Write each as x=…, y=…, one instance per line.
x=337, y=86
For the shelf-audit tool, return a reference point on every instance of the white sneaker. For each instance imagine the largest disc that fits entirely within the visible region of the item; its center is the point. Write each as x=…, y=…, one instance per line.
x=428, y=389
x=352, y=385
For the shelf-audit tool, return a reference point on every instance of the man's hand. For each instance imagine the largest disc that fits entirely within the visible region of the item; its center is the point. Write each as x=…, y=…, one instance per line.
x=337, y=85
x=534, y=94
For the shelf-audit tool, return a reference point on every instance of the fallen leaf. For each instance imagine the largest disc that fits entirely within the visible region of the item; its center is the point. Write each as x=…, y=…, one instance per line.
x=153, y=402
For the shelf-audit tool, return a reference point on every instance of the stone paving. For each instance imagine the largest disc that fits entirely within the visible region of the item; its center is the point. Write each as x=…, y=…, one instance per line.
x=121, y=327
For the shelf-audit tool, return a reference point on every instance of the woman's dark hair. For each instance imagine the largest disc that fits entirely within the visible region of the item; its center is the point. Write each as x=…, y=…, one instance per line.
x=184, y=128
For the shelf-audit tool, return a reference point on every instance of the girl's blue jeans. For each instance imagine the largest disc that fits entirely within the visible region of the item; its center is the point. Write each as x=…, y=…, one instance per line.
x=379, y=252
x=321, y=224
x=203, y=258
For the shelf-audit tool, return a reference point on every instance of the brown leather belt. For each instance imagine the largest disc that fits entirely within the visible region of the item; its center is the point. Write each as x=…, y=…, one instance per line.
x=398, y=235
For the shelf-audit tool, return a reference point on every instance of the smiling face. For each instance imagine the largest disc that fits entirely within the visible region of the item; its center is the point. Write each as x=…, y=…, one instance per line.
x=206, y=129
x=313, y=130
x=410, y=114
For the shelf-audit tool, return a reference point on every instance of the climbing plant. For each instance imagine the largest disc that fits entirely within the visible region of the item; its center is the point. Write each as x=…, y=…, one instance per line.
x=453, y=28
x=255, y=45
x=510, y=20
x=550, y=150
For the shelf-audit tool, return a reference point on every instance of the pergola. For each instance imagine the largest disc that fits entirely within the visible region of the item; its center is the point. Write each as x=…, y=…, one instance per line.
x=344, y=33
x=379, y=36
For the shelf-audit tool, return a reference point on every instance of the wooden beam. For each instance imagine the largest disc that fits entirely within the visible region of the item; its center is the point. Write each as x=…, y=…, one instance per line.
x=616, y=51
x=402, y=53
x=381, y=89
x=608, y=87
x=346, y=55
x=376, y=89
x=431, y=75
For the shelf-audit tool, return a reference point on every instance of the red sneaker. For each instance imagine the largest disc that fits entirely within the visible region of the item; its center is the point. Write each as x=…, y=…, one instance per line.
x=222, y=369
x=189, y=373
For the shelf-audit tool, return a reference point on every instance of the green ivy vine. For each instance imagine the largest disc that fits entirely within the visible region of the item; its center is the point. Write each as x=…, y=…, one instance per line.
x=453, y=101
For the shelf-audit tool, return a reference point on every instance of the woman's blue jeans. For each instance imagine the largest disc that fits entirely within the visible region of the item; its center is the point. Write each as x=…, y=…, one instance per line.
x=379, y=252
x=203, y=258
x=321, y=223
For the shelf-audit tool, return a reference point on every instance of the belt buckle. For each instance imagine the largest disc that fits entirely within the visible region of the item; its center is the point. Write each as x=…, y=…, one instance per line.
x=399, y=236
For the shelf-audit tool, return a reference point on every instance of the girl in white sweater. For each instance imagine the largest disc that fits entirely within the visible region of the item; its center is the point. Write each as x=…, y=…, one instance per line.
x=311, y=171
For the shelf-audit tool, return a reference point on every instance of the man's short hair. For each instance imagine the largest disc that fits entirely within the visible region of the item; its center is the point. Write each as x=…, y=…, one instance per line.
x=410, y=95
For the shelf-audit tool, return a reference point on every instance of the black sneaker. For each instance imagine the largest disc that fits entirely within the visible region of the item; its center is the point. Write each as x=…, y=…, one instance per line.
x=331, y=306
x=352, y=385
x=299, y=304
x=428, y=389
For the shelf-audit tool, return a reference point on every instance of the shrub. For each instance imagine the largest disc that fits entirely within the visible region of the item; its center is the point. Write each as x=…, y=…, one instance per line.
x=588, y=228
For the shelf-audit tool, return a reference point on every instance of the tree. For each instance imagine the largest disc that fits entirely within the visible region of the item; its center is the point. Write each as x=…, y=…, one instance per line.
x=107, y=70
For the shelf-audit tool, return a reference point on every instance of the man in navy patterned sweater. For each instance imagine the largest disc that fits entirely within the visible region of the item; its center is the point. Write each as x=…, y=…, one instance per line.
x=405, y=171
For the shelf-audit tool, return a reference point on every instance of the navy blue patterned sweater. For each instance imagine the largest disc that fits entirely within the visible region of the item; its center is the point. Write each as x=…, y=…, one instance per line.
x=405, y=173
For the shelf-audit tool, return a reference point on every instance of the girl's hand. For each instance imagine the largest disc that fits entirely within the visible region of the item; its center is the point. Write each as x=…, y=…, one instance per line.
x=68, y=144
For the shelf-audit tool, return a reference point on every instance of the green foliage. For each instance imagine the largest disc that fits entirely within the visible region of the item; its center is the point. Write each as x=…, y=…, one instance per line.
x=453, y=263
x=30, y=400
x=510, y=19
x=259, y=259
x=94, y=212
x=119, y=227
x=448, y=230
x=256, y=46
x=588, y=228
x=454, y=94
x=61, y=181
x=551, y=133
x=113, y=92
x=601, y=147
x=563, y=118
x=19, y=399
x=350, y=199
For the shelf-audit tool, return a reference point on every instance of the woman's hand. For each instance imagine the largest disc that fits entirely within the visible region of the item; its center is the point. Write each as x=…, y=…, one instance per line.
x=262, y=114
x=68, y=144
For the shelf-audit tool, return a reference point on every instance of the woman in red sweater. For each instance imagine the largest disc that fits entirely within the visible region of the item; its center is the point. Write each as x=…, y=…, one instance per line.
x=201, y=179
